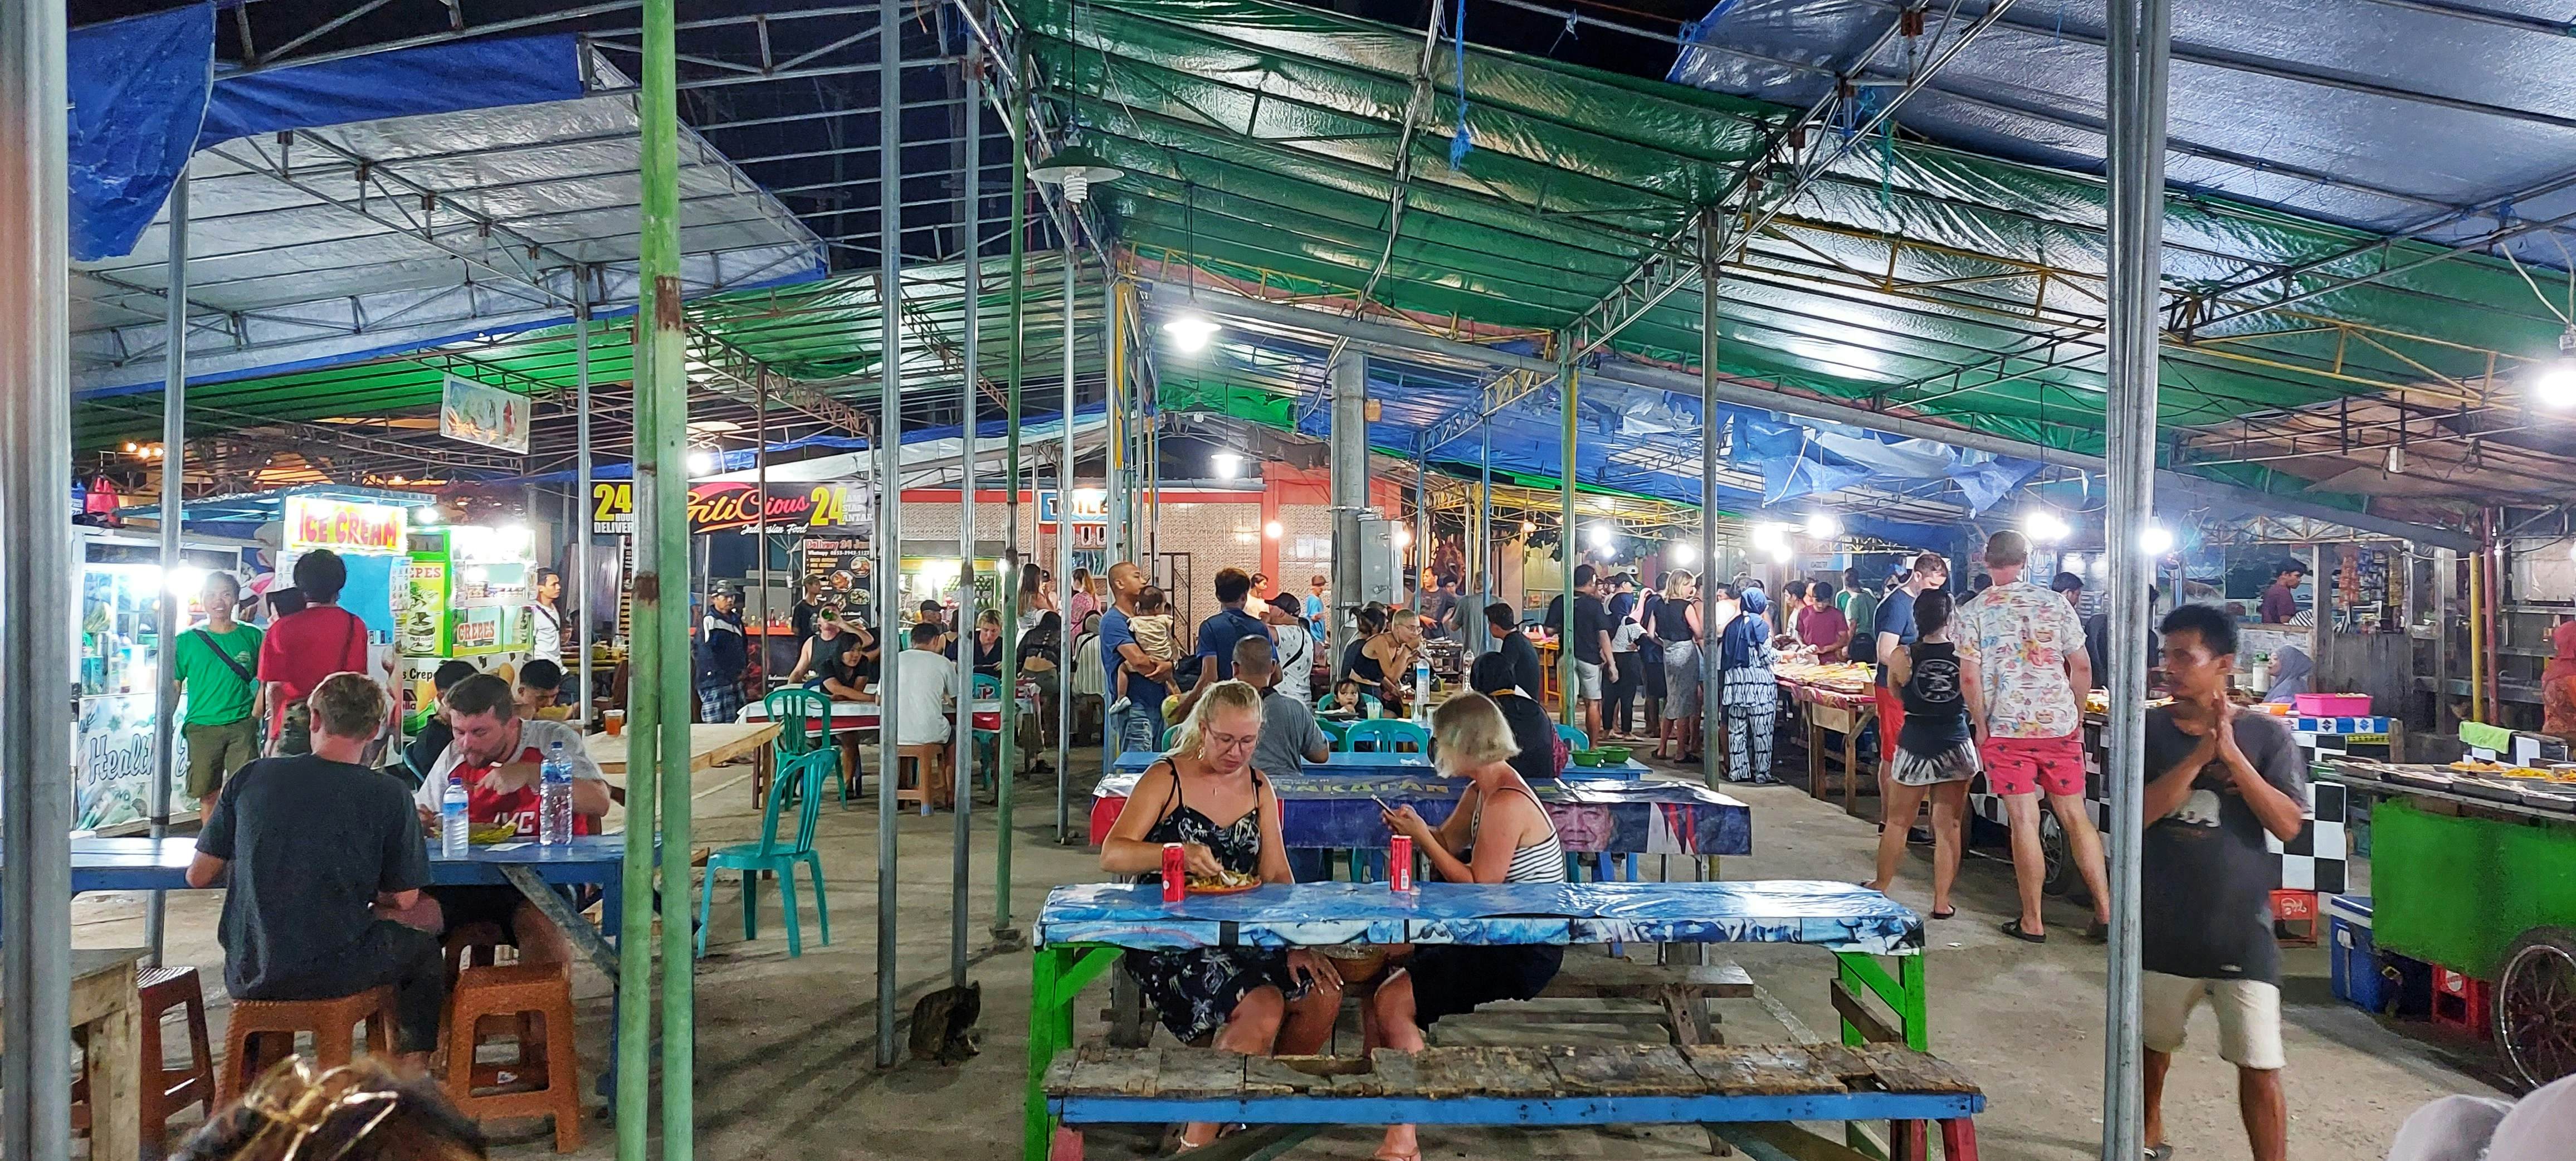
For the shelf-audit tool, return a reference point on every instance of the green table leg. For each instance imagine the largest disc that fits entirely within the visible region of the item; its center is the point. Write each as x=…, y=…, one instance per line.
x=1903, y=993
x=1057, y=977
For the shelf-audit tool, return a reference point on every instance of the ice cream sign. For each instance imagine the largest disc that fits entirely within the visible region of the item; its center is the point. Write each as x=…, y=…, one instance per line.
x=343, y=526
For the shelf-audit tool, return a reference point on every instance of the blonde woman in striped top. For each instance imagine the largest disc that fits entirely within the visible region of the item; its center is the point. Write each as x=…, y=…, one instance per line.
x=1498, y=834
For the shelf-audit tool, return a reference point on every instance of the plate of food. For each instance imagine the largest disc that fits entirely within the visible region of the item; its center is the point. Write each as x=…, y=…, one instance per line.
x=1223, y=883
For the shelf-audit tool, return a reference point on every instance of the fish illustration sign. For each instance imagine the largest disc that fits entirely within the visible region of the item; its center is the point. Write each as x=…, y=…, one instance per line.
x=479, y=413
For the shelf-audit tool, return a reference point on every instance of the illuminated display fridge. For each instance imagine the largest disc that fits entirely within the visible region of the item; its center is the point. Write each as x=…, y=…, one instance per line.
x=466, y=596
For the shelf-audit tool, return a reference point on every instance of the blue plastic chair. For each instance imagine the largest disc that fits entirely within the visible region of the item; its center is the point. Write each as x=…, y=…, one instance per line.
x=1574, y=736
x=805, y=772
x=804, y=718
x=1388, y=735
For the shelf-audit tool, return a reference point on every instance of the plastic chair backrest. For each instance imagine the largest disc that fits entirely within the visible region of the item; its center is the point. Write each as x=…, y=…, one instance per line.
x=1385, y=735
x=808, y=770
x=987, y=685
x=1171, y=734
x=804, y=718
x=1574, y=736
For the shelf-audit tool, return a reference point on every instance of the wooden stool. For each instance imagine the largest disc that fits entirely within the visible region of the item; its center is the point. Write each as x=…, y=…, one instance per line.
x=521, y=990
x=167, y=1090
x=917, y=775
x=248, y=1038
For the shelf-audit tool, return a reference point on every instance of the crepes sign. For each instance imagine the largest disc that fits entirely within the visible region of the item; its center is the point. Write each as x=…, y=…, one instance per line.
x=733, y=505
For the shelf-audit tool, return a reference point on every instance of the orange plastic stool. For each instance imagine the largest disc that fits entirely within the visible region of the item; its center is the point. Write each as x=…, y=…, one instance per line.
x=167, y=1090
x=252, y=1040
x=542, y=990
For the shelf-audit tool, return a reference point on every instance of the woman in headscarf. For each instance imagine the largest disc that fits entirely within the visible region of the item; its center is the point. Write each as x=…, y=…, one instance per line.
x=2290, y=672
x=1748, y=692
x=2558, y=684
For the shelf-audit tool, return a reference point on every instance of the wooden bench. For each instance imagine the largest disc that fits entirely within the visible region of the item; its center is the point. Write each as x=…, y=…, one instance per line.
x=1741, y=1092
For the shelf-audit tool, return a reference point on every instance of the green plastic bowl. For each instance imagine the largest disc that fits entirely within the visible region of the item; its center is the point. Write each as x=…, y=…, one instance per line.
x=1613, y=755
x=1588, y=758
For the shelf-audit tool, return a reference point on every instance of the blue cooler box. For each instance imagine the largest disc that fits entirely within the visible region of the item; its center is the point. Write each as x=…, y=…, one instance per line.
x=2352, y=960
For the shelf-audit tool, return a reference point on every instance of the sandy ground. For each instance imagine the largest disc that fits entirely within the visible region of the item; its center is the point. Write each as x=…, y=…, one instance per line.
x=786, y=1051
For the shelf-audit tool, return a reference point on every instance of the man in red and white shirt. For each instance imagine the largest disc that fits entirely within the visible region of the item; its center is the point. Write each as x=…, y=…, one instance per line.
x=496, y=753
x=305, y=646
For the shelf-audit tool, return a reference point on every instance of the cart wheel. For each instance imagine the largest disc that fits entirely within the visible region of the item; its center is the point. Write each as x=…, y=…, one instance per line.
x=2535, y=1006
x=2060, y=876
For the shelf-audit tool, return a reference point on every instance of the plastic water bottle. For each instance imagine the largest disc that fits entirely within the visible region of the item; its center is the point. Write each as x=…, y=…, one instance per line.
x=452, y=825
x=1422, y=689
x=554, y=798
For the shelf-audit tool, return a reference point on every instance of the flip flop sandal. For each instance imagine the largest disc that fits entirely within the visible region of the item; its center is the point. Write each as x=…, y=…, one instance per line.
x=1952, y=913
x=2012, y=927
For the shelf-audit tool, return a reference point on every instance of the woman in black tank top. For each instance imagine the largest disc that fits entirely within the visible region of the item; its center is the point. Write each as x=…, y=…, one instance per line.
x=1936, y=754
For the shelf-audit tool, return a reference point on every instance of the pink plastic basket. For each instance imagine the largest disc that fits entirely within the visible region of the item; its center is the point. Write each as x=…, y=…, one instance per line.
x=2333, y=705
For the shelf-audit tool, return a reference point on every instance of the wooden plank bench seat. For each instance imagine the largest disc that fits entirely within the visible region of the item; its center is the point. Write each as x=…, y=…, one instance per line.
x=1096, y=1084
x=1680, y=991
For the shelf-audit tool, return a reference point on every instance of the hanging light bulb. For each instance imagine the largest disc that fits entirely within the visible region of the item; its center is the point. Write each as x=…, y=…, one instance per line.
x=1272, y=530
x=1781, y=553
x=1227, y=465
x=702, y=463
x=1528, y=526
x=2155, y=540
x=1602, y=536
x=1824, y=525
x=2045, y=526
x=1190, y=332
x=2555, y=385
x=1075, y=169
x=1684, y=553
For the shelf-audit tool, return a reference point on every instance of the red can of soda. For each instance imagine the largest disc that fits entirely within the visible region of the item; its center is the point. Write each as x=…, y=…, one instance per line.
x=1176, y=873
x=1399, y=863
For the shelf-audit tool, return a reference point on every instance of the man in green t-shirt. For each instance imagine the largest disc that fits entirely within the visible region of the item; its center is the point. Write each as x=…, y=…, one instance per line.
x=214, y=663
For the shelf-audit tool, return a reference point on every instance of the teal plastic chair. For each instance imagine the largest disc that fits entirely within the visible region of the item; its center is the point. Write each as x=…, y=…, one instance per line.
x=1388, y=735
x=804, y=718
x=770, y=855
x=1574, y=736
x=1171, y=736
x=1336, y=732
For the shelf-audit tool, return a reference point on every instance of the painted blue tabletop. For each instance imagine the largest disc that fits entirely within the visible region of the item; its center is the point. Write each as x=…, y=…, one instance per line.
x=145, y=864
x=1612, y=816
x=1839, y=917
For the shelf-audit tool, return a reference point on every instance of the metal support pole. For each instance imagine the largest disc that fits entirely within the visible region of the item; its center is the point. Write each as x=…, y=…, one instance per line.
x=1712, y=229
x=1064, y=534
x=1004, y=933
x=662, y=528
x=1114, y=370
x=174, y=458
x=1566, y=541
x=2139, y=54
x=1348, y=459
x=889, y=477
x=582, y=468
x=1421, y=537
x=760, y=522
x=35, y=589
x=1480, y=559
x=969, y=198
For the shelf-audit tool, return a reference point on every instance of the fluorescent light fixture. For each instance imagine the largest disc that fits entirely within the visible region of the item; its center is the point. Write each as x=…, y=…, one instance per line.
x=2045, y=526
x=1190, y=332
x=1228, y=465
x=1824, y=525
x=2156, y=540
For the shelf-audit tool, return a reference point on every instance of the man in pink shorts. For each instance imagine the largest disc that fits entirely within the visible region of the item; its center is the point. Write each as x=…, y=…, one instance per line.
x=2021, y=657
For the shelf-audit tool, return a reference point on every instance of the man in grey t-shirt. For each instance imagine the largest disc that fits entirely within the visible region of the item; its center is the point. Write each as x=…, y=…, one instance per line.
x=1289, y=736
x=2218, y=782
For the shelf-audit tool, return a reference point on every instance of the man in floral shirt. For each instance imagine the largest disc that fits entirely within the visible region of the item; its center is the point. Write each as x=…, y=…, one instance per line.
x=2021, y=657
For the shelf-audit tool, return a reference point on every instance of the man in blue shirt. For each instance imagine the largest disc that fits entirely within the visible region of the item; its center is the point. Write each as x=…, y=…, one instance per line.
x=1140, y=725
x=1214, y=656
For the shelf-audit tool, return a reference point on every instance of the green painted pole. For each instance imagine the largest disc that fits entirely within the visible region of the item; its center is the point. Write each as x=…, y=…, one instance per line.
x=663, y=549
x=1003, y=932
x=1565, y=544
x=658, y=470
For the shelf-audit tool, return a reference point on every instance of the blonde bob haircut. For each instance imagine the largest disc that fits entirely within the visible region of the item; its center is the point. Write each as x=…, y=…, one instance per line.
x=1223, y=696
x=1469, y=731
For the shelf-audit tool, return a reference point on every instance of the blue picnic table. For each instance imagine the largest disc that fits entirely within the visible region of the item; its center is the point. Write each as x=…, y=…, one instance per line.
x=1084, y=929
x=598, y=861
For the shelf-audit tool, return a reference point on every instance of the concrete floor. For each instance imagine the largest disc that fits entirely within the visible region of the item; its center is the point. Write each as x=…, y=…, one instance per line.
x=786, y=1047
